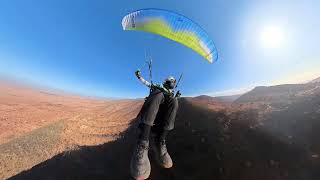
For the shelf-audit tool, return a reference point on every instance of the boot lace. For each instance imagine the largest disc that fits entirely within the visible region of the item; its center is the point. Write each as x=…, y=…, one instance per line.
x=163, y=146
x=140, y=150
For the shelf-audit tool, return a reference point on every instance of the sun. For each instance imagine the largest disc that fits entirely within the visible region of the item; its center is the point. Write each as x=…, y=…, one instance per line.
x=272, y=37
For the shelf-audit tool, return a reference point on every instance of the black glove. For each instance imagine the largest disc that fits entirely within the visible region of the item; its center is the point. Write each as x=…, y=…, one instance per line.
x=138, y=73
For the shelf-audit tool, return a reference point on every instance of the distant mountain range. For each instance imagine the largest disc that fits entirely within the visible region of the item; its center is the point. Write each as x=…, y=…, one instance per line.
x=230, y=98
x=266, y=94
x=280, y=93
x=224, y=99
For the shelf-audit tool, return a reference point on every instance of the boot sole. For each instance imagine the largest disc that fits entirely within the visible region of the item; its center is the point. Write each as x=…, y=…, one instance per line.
x=167, y=167
x=143, y=177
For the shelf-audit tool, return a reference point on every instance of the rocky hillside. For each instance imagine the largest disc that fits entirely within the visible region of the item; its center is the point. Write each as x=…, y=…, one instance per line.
x=278, y=94
x=316, y=80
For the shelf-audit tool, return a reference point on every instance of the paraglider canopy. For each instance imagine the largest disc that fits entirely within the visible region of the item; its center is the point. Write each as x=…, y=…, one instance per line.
x=172, y=26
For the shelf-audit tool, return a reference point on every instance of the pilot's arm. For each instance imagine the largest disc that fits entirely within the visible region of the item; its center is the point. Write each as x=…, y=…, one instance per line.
x=145, y=82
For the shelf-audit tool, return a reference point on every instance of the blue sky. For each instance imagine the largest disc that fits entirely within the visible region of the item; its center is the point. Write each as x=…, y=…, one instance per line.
x=79, y=46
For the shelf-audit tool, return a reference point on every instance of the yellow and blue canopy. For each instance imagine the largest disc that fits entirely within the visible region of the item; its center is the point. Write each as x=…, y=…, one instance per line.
x=172, y=26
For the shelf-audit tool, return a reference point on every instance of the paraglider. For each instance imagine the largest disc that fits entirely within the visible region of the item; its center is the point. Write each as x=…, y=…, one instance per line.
x=158, y=112
x=172, y=26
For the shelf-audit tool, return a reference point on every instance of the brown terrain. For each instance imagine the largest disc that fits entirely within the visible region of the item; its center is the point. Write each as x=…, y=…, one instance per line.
x=36, y=125
x=267, y=133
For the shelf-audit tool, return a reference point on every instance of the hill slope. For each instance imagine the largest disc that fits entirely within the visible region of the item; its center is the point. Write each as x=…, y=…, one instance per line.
x=279, y=93
x=35, y=125
x=316, y=80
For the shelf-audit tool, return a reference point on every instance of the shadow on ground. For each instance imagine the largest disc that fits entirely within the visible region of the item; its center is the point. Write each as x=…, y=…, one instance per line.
x=202, y=147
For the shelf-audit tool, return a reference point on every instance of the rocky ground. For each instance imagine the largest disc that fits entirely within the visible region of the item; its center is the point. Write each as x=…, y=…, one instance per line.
x=36, y=125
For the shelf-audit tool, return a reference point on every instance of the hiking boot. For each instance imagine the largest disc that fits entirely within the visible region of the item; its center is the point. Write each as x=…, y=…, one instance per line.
x=140, y=165
x=160, y=149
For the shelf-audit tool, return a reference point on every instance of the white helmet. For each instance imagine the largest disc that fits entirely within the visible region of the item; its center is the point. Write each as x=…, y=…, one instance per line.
x=169, y=82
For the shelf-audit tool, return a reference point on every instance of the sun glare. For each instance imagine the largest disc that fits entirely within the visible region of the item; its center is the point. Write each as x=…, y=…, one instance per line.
x=272, y=37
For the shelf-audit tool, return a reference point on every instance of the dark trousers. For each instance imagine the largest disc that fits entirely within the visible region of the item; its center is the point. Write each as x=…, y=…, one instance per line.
x=159, y=111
